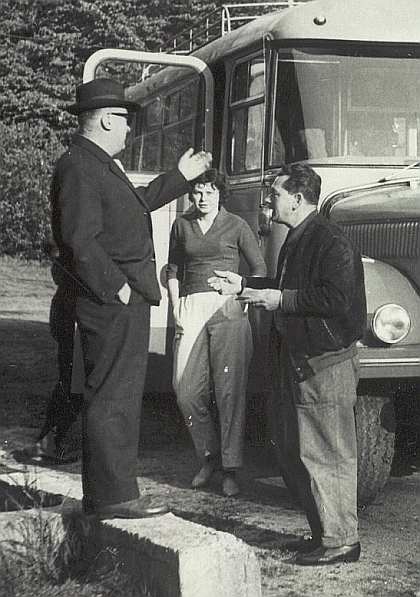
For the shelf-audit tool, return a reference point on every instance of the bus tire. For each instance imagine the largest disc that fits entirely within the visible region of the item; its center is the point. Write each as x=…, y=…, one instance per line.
x=375, y=429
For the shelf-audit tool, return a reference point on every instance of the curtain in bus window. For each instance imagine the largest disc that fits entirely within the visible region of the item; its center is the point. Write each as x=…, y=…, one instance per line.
x=246, y=143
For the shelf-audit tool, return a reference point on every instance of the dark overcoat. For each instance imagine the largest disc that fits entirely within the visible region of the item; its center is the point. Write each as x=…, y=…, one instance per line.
x=102, y=227
x=102, y=224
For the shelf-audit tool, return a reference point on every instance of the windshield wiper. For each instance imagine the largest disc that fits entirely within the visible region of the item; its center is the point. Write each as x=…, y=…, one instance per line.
x=398, y=174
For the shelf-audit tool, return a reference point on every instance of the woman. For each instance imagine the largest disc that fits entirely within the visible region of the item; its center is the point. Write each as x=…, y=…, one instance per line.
x=213, y=341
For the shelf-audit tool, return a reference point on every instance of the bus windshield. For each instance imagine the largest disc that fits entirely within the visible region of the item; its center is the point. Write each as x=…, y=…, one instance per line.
x=351, y=108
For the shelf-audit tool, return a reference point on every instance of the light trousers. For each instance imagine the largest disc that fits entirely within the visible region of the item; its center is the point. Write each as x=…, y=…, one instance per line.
x=312, y=426
x=212, y=352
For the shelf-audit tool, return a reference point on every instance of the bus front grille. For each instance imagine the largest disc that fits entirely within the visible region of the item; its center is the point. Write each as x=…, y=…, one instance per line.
x=386, y=240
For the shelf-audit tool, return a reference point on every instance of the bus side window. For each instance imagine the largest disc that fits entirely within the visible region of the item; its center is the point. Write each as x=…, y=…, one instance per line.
x=146, y=141
x=179, y=124
x=247, y=115
x=165, y=128
x=219, y=75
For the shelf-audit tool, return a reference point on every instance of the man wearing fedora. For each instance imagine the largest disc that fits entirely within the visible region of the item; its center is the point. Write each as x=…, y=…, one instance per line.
x=102, y=227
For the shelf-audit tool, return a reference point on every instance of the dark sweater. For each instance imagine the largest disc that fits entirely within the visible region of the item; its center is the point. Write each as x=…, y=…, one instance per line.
x=193, y=256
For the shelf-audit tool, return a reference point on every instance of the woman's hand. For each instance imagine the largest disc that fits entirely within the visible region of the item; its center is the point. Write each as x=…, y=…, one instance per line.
x=225, y=282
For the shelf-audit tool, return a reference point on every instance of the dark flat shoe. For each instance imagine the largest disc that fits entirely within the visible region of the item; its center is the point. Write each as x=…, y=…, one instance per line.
x=230, y=487
x=203, y=477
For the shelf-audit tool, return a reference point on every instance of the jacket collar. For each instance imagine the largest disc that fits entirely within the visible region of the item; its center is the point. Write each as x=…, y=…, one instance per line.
x=296, y=233
x=105, y=158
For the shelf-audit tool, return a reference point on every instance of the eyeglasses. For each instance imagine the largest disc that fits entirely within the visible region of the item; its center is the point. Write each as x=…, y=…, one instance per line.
x=128, y=117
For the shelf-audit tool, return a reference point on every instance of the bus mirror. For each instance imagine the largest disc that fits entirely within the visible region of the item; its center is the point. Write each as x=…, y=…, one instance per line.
x=264, y=220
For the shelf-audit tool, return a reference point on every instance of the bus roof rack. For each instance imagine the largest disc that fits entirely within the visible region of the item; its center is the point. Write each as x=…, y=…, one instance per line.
x=217, y=23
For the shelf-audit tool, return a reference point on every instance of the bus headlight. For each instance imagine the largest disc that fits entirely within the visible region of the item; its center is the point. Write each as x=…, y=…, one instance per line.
x=390, y=323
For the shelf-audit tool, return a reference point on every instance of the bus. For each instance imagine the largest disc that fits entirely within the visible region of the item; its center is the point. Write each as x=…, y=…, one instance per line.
x=330, y=83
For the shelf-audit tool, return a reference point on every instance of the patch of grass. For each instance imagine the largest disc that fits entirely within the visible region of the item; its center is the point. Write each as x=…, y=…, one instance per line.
x=41, y=558
x=15, y=498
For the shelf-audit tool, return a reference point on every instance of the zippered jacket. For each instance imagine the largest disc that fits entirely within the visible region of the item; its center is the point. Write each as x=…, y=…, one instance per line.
x=323, y=306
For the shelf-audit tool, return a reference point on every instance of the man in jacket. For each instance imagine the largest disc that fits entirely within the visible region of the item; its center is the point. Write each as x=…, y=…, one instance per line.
x=319, y=312
x=102, y=228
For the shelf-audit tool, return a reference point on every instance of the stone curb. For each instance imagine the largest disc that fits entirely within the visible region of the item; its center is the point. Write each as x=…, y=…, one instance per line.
x=172, y=556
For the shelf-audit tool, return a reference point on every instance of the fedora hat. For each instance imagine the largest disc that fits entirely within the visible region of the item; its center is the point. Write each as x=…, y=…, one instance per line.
x=101, y=93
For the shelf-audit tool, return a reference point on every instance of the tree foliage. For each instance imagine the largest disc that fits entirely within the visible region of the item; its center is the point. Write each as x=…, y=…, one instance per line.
x=45, y=43
x=43, y=47
x=28, y=154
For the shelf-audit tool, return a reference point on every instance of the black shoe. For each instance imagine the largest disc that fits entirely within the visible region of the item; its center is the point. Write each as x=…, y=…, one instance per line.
x=303, y=545
x=48, y=450
x=131, y=509
x=329, y=555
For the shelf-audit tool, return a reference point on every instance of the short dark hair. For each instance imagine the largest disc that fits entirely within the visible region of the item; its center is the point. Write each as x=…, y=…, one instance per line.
x=302, y=179
x=216, y=179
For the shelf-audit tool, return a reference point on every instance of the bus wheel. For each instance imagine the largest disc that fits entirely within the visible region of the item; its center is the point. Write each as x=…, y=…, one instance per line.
x=375, y=428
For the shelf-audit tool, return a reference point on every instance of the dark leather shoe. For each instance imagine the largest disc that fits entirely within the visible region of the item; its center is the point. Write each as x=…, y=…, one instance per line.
x=132, y=509
x=303, y=545
x=48, y=450
x=329, y=555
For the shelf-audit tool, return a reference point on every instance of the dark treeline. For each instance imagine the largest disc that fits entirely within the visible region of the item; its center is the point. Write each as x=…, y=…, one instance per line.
x=43, y=47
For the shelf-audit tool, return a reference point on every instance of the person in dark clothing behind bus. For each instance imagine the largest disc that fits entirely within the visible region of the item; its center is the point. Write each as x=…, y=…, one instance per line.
x=102, y=227
x=319, y=312
x=64, y=406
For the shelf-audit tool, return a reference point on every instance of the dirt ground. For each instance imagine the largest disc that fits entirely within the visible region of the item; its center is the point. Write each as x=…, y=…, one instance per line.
x=263, y=515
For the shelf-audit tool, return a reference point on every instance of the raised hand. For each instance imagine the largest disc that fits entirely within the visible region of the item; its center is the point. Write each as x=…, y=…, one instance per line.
x=193, y=164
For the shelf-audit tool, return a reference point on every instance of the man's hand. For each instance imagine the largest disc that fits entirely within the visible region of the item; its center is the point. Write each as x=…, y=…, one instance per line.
x=193, y=164
x=266, y=299
x=226, y=282
x=124, y=294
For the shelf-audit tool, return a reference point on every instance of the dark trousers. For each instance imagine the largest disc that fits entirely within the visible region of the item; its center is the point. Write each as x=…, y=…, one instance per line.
x=115, y=342
x=63, y=407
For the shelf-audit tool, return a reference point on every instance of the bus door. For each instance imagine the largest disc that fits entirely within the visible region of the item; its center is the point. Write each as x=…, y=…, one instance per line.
x=243, y=156
x=176, y=98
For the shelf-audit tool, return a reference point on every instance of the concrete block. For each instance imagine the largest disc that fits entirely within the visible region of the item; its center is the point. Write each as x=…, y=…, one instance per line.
x=47, y=480
x=171, y=556
x=178, y=558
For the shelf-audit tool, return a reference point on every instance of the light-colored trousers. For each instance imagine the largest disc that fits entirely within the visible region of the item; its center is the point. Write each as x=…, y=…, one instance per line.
x=212, y=351
x=312, y=426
